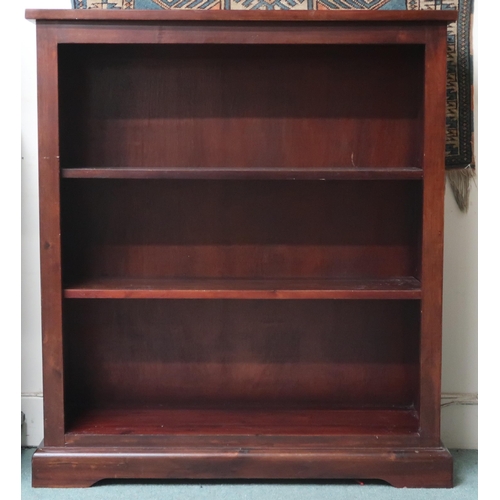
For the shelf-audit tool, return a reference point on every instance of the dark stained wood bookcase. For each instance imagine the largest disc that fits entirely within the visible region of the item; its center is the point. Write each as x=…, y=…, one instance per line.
x=241, y=245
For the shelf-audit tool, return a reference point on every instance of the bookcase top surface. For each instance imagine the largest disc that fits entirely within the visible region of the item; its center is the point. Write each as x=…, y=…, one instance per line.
x=443, y=16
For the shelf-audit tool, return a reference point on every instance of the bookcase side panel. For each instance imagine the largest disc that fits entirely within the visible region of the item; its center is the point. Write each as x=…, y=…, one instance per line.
x=432, y=234
x=50, y=239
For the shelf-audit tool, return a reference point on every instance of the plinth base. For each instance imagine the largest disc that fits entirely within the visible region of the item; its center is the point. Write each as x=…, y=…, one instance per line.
x=84, y=466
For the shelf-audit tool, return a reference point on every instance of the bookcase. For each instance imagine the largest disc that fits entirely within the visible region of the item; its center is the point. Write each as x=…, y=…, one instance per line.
x=241, y=220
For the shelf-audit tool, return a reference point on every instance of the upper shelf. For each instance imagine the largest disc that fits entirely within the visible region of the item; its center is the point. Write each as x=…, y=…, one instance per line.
x=404, y=173
x=240, y=288
x=237, y=15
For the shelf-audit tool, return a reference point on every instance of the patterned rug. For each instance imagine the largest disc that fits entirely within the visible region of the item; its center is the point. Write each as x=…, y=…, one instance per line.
x=459, y=114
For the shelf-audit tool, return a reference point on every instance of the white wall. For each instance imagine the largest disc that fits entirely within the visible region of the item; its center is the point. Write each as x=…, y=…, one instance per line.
x=459, y=422
x=31, y=346
x=459, y=428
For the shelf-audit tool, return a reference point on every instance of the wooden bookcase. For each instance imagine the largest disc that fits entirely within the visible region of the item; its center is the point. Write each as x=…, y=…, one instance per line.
x=241, y=245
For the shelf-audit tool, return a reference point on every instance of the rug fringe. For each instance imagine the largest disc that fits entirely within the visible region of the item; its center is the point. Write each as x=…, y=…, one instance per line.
x=459, y=179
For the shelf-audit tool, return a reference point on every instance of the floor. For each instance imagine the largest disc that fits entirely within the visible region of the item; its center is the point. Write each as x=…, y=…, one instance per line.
x=465, y=488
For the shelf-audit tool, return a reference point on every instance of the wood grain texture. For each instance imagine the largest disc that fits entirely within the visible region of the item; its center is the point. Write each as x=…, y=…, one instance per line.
x=249, y=421
x=50, y=237
x=179, y=134
x=250, y=33
x=81, y=467
x=226, y=116
x=357, y=438
x=311, y=173
x=241, y=353
x=150, y=229
x=399, y=16
x=433, y=232
x=225, y=288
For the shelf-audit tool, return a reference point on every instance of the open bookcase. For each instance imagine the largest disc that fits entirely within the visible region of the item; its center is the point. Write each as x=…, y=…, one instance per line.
x=241, y=244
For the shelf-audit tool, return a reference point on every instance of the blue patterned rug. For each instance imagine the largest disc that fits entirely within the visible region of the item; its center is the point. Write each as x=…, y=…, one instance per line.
x=459, y=114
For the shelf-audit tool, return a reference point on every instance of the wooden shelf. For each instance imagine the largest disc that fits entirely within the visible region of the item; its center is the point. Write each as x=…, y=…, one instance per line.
x=403, y=173
x=226, y=288
x=159, y=421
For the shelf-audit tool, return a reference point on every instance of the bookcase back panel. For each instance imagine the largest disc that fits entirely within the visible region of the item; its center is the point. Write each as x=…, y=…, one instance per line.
x=232, y=353
x=239, y=229
x=241, y=106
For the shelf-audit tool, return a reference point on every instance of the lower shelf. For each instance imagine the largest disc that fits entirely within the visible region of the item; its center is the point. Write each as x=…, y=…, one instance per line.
x=417, y=467
x=158, y=421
